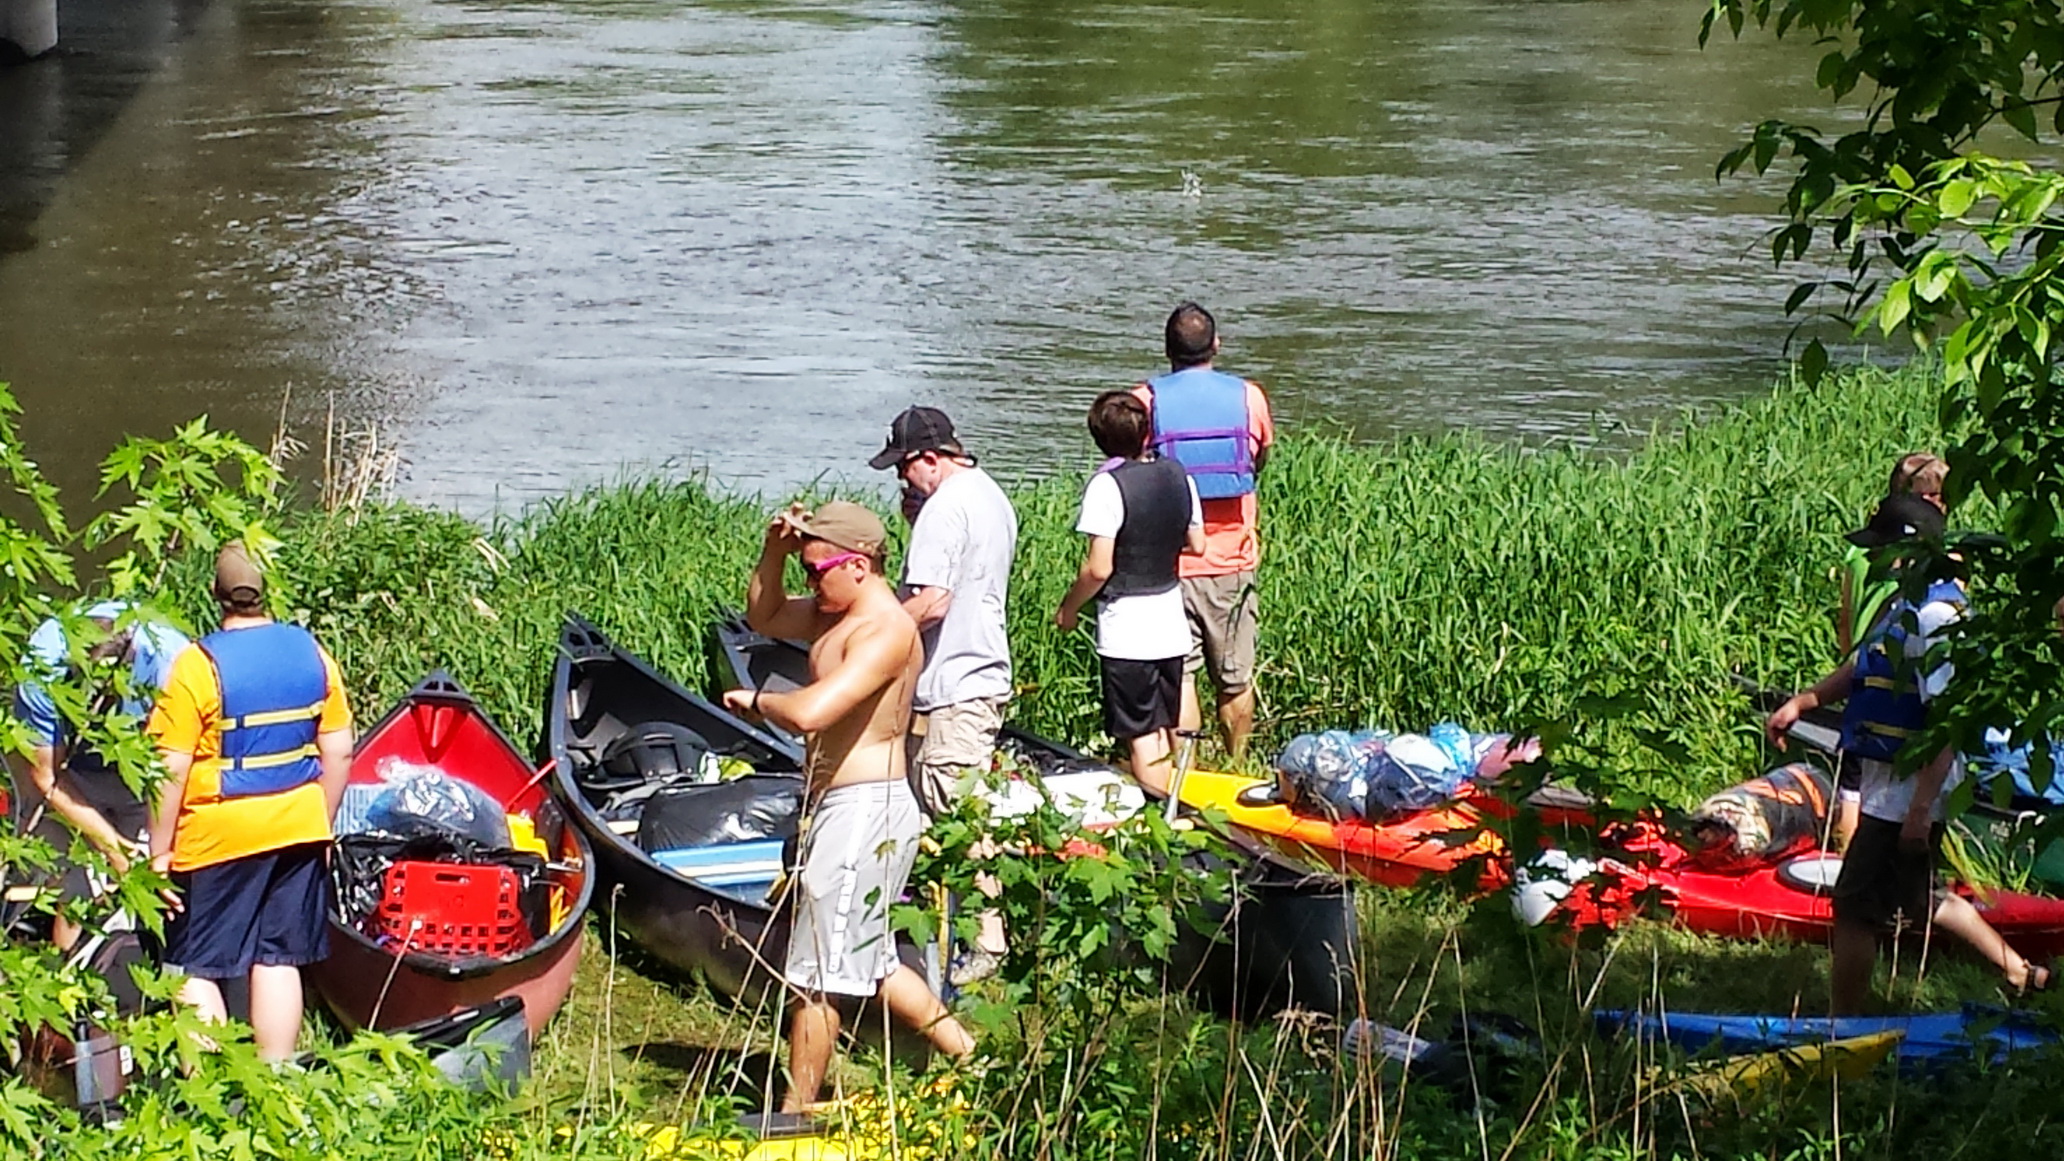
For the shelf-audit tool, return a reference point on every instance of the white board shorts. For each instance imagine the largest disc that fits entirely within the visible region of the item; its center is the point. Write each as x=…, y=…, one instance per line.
x=856, y=858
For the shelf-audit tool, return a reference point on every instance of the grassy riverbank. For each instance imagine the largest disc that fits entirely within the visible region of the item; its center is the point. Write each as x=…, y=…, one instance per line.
x=1403, y=584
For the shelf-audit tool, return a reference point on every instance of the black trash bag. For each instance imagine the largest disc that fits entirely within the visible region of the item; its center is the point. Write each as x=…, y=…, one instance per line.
x=762, y=806
x=1763, y=820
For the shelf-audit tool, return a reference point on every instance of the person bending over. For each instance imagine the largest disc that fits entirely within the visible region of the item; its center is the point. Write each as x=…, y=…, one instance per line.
x=862, y=821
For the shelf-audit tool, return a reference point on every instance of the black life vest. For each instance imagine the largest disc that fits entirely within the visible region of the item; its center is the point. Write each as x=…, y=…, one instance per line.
x=1157, y=521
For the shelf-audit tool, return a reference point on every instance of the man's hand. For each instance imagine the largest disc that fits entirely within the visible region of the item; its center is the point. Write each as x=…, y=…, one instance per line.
x=740, y=701
x=1784, y=717
x=782, y=538
x=162, y=864
x=1913, y=832
x=1065, y=618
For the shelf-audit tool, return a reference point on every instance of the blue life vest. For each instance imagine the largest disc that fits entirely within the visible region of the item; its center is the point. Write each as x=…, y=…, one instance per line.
x=273, y=689
x=1200, y=420
x=1884, y=707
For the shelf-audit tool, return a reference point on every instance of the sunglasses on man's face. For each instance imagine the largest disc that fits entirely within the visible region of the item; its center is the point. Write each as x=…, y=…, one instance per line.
x=815, y=572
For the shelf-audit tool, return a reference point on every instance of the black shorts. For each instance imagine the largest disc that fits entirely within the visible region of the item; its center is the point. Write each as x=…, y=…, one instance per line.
x=1141, y=696
x=1880, y=882
x=271, y=908
x=1848, y=774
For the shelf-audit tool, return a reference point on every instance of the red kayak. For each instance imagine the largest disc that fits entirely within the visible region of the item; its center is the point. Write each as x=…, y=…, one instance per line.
x=1786, y=900
x=446, y=933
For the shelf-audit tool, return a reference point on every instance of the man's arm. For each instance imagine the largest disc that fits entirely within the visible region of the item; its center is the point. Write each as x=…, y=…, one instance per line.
x=60, y=795
x=1261, y=425
x=875, y=656
x=1097, y=565
x=1830, y=690
x=927, y=604
x=769, y=610
x=333, y=748
x=1920, y=813
x=171, y=793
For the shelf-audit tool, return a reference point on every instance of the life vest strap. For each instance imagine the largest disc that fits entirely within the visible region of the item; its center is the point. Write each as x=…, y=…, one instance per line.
x=274, y=717
x=267, y=761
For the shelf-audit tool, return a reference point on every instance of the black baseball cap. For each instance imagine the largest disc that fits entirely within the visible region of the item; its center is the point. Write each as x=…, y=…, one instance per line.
x=1900, y=516
x=918, y=429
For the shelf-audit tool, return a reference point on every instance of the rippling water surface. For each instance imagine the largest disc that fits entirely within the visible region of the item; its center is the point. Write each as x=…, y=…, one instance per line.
x=542, y=244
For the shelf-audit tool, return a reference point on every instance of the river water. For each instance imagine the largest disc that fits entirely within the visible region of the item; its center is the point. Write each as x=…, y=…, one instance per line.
x=542, y=244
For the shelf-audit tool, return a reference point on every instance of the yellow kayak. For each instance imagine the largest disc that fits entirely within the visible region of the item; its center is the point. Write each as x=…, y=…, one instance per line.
x=1396, y=853
x=1741, y=1078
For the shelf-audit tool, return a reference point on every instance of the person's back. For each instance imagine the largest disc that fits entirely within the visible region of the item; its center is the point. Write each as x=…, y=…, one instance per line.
x=1218, y=426
x=1140, y=514
x=255, y=735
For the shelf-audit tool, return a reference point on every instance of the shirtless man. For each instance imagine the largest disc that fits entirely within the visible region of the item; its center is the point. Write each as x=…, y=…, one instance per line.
x=864, y=821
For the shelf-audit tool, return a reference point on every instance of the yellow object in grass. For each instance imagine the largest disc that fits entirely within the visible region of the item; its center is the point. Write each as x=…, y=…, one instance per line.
x=1761, y=1074
x=857, y=1128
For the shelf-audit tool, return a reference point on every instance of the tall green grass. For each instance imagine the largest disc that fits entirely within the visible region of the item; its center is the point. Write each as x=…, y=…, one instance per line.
x=1401, y=584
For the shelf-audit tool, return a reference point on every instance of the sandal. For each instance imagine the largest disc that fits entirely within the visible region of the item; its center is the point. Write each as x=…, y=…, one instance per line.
x=2041, y=977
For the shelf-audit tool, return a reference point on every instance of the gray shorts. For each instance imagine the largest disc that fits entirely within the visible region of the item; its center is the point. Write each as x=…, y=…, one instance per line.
x=1221, y=610
x=856, y=857
x=946, y=744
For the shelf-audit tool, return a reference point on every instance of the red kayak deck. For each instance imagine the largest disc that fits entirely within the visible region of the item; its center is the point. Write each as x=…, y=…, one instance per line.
x=1786, y=900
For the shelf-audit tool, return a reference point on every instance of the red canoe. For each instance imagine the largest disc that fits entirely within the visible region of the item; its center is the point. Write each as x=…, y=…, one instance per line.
x=394, y=981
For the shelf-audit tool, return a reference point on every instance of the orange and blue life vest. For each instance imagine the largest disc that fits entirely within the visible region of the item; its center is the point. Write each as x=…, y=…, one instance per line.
x=1200, y=420
x=273, y=688
x=1885, y=706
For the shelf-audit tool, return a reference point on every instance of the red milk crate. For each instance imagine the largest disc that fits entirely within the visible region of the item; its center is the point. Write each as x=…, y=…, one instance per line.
x=454, y=909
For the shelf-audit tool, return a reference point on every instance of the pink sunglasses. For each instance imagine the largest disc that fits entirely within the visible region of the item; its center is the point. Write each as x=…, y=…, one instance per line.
x=816, y=571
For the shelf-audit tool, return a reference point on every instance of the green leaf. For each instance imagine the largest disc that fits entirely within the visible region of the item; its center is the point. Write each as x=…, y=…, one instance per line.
x=1956, y=197
x=1813, y=363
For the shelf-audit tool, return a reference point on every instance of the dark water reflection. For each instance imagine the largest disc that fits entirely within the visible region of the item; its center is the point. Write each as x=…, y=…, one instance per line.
x=546, y=242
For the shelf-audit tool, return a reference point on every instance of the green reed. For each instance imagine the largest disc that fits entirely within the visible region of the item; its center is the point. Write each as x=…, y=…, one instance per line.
x=1401, y=584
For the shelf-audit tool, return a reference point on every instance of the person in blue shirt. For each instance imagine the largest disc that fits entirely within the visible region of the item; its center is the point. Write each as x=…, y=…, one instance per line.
x=66, y=788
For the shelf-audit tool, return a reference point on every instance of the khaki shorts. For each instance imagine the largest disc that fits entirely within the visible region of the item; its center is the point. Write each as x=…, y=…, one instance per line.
x=1221, y=611
x=856, y=859
x=946, y=744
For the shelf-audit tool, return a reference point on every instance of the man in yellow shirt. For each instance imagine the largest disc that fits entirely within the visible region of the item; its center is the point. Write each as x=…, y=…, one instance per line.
x=256, y=739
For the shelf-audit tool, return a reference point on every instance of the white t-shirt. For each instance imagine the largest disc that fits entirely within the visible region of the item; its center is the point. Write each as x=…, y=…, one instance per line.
x=1151, y=627
x=964, y=540
x=1886, y=795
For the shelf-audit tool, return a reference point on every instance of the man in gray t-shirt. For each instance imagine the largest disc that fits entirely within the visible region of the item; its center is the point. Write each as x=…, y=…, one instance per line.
x=956, y=575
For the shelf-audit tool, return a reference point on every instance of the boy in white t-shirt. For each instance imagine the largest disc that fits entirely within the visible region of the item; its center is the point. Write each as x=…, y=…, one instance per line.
x=1141, y=513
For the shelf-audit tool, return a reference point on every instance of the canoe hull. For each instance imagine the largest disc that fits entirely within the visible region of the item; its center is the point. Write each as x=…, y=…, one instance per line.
x=354, y=982
x=1927, y=1038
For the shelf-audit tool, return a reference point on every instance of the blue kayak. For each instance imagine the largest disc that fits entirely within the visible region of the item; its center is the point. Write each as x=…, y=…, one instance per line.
x=1933, y=1039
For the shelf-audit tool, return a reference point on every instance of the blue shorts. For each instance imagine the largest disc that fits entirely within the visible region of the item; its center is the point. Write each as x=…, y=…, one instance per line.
x=271, y=908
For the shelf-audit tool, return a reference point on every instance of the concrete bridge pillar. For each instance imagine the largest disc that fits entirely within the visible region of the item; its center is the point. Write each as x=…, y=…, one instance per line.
x=28, y=27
